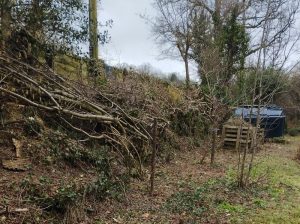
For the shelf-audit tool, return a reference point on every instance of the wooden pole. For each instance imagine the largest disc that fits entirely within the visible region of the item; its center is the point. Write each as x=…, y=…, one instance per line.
x=213, y=146
x=153, y=157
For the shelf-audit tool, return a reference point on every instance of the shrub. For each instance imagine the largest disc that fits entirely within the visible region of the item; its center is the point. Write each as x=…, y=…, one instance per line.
x=189, y=123
x=294, y=132
x=73, y=152
x=189, y=202
x=39, y=191
x=33, y=126
x=175, y=94
x=104, y=187
x=280, y=140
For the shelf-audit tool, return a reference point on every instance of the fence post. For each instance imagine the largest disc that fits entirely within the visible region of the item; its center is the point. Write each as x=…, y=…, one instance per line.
x=153, y=156
x=213, y=147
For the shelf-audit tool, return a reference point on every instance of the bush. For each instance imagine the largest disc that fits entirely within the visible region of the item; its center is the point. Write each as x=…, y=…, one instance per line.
x=175, y=94
x=189, y=202
x=73, y=152
x=33, y=126
x=105, y=187
x=190, y=123
x=40, y=192
x=280, y=140
x=294, y=132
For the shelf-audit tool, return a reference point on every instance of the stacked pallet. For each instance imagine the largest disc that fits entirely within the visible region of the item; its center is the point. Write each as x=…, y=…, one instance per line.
x=237, y=136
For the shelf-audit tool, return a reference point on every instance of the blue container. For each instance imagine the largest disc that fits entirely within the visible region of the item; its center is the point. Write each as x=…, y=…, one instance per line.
x=272, y=118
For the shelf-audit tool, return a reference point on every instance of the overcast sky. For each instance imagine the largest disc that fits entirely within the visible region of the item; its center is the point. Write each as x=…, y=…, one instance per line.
x=131, y=40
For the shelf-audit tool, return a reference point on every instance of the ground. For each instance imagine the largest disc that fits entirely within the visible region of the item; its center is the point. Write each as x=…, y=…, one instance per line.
x=286, y=171
x=277, y=203
x=189, y=192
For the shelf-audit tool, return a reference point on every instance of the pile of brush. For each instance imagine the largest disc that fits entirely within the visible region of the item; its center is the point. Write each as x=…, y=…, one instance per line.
x=81, y=108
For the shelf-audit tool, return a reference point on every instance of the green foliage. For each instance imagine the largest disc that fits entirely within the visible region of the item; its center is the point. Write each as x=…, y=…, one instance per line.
x=190, y=123
x=280, y=140
x=220, y=50
x=273, y=82
x=46, y=194
x=189, y=202
x=283, y=191
x=62, y=148
x=33, y=127
x=219, y=195
x=229, y=208
x=104, y=187
x=53, y=26
x=294, y=132
x=260, y=203
x=71, y=151
x=39, y=192
x=233, y=44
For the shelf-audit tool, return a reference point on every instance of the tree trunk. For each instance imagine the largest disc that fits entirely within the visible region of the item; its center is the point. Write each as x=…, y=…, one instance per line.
x=213, y=147
x=258, y=78
x=187, y=72
x=5, y=20
x=93, y=38
x=217, y=18
x=35, y=27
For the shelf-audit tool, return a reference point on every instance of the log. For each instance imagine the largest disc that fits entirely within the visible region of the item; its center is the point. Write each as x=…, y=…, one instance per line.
x=16, y=164
x=8, y=211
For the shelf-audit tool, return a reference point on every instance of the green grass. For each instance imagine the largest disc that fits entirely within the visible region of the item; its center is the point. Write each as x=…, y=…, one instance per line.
x=273, y=199
x=287, y=182
x=284, y=206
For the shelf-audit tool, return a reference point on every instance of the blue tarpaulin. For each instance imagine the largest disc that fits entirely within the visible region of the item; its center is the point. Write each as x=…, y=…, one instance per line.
x=272, y=118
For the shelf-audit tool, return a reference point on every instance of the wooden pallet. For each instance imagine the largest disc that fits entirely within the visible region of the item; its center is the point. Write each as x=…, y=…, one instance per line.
x=235, y=137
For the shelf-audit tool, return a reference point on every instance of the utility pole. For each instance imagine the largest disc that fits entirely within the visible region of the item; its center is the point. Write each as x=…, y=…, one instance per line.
x=93, y=37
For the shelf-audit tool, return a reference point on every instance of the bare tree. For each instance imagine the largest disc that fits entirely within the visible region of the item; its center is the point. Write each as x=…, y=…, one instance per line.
x=172, y=29
x=281, y=38
x=259, y=97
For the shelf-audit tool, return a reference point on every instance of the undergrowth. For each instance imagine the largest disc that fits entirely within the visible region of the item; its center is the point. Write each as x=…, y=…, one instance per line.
x=41, y=192
x=294, y=131
x=222, y=196
x=59, y=194
x=57, y=147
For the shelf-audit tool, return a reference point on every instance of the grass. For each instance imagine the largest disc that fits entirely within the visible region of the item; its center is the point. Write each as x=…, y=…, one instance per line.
x=219, y=197
x=284, y=206
x=274, y=199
